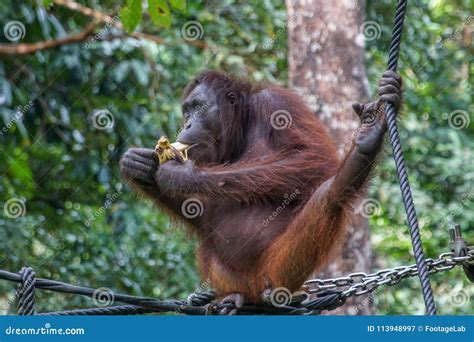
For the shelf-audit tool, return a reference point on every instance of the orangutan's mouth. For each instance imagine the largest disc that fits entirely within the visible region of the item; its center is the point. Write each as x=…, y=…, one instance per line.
x=183, y=148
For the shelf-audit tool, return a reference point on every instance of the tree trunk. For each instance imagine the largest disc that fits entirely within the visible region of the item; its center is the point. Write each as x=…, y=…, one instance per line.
x=326, y=66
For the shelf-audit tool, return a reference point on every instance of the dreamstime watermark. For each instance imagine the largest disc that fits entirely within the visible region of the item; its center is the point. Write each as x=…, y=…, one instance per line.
x=202, y=288
x=102, y=119
x=203, y=108
x=14, y=30
x=371, y=30
x=107, y=204
x=465, y=201
x=459, y=298
x=281, y=119
x=46, y=330
x=458, y=119
x=368, y=207
x=20, y=290
x=367, y=120
x=278, y=32
x=103, y=296
x=457, y=32
x=192, y=30
x=17, y=117
x=280, y=296
x=103, y=31
x=284, y=204
x=366, y=301
x=14, y=208
x=192, y=208
x=205, y=286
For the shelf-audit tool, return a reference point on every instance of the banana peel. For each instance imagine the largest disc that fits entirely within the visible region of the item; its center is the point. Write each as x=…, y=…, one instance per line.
x=166, y=151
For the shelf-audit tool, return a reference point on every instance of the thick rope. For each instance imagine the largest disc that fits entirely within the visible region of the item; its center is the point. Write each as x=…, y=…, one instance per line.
x=196, y=304
x=25, y=292
x=330, y=293
x=401, y=169
x=106, y=311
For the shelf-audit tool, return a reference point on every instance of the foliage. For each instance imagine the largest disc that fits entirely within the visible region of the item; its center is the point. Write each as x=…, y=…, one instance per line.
x=437, y=70
x=83, y=225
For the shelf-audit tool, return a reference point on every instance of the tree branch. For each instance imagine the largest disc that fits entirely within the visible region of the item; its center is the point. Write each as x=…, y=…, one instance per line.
x=88, y=12
x=26, y=48
x=85, y=35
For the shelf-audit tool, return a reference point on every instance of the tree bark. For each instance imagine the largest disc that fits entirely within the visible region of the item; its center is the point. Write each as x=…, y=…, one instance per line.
x=326, y=66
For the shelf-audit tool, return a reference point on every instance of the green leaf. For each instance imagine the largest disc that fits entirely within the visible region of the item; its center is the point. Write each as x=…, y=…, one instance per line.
x=160, y=13
x=178, y=4
x=47, y=3
x=131, y=15
x=20, y=170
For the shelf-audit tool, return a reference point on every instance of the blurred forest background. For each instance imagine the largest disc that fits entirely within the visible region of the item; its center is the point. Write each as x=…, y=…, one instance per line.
x=69, y=112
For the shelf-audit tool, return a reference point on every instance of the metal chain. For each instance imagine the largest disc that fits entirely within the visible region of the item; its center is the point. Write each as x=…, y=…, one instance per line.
x=330, y=293
x=360, y=283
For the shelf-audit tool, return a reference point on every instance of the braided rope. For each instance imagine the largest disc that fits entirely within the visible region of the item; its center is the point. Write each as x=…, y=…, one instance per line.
x=330, y=293
x=196, y=304
x=106, y=311
x=26, y=292
x=330, y=301
x=401, y=169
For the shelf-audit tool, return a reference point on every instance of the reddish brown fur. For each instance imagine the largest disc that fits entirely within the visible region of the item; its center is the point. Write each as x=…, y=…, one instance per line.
x=255, y=167
x=310, y=158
